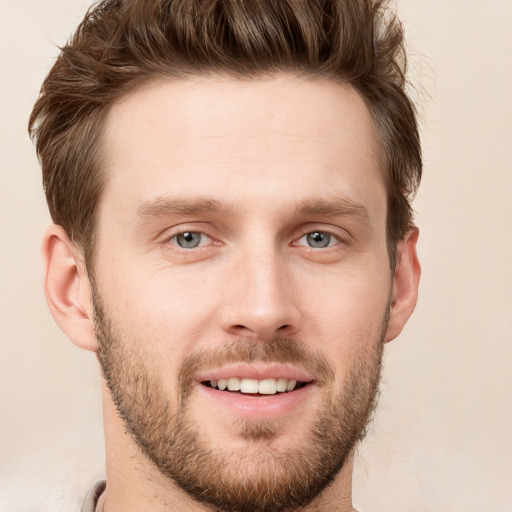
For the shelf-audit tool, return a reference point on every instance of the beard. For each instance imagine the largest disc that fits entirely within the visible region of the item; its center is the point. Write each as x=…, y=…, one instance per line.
x=259, y=477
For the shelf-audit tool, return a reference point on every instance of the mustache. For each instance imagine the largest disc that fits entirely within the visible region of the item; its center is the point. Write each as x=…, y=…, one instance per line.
x=277, y=350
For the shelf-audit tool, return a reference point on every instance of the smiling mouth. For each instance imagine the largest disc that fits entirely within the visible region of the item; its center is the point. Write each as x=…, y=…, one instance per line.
x=254, y=386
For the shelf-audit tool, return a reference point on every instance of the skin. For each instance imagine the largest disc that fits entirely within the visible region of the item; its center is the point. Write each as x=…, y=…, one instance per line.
x=267, y=150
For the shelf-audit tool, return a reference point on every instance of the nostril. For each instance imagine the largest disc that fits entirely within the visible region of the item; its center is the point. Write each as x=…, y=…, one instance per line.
x=282, y=327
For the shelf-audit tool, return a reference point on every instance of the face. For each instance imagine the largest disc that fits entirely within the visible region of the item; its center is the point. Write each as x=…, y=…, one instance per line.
x=242, y=284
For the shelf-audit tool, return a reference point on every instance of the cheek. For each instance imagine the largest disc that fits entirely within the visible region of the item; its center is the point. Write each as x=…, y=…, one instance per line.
x=166, y=310
x=347, y=318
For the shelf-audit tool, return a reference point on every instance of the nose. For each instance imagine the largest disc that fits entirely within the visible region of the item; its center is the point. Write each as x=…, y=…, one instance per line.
x=260, y=299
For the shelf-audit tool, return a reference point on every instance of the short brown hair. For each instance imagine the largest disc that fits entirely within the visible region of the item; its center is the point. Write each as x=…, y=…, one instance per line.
x=123, y=44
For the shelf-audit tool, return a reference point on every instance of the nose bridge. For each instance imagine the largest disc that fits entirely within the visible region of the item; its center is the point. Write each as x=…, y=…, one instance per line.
x=265, y=273
x=261, y=301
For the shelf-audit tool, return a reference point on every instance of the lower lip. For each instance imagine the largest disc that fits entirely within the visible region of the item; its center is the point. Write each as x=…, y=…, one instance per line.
x=258, y=407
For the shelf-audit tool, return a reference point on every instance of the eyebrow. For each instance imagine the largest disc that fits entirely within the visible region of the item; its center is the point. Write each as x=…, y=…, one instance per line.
x=337, y=207
x=162, y=207
x=184, y=207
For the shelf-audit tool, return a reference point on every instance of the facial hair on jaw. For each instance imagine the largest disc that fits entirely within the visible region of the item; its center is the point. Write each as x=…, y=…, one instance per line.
x=259, y=479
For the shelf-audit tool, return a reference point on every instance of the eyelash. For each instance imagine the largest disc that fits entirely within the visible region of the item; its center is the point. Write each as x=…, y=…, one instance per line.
x=184, y=232
x=338, y=240
x=324, y=232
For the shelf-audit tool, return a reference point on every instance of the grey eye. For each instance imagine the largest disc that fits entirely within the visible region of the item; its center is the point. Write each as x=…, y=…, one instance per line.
x=189, y=239
x=318, y=239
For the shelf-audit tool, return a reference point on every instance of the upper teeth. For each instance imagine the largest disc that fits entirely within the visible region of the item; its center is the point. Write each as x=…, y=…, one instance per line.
x=264, y=387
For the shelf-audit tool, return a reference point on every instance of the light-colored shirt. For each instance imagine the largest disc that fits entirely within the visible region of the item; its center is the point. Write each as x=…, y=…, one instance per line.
x=91, y=500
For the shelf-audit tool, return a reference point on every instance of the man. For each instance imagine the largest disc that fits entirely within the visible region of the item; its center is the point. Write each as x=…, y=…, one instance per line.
x=229, y=183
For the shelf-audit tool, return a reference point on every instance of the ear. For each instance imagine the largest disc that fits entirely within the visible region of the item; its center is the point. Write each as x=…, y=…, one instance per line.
x=67, y=287
x=405, y=284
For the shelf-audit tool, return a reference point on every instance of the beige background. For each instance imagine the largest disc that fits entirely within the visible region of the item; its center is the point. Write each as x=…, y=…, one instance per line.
x=441, y=440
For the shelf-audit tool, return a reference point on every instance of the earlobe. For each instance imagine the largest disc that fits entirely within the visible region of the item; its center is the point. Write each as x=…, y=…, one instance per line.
x=67, y=287
x=405, y=284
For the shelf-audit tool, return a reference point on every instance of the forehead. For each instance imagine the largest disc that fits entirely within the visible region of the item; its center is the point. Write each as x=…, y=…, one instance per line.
x=252, y=140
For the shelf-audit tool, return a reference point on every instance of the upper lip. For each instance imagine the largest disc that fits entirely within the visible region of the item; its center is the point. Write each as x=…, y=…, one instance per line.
x=259, y=371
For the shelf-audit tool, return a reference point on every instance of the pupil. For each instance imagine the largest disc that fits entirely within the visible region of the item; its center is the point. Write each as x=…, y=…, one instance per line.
x=188, y=240
x=319, y=239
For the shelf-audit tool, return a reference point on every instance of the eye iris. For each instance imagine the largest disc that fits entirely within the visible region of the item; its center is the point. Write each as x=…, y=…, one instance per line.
x=188, y=240
x=317, y=239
